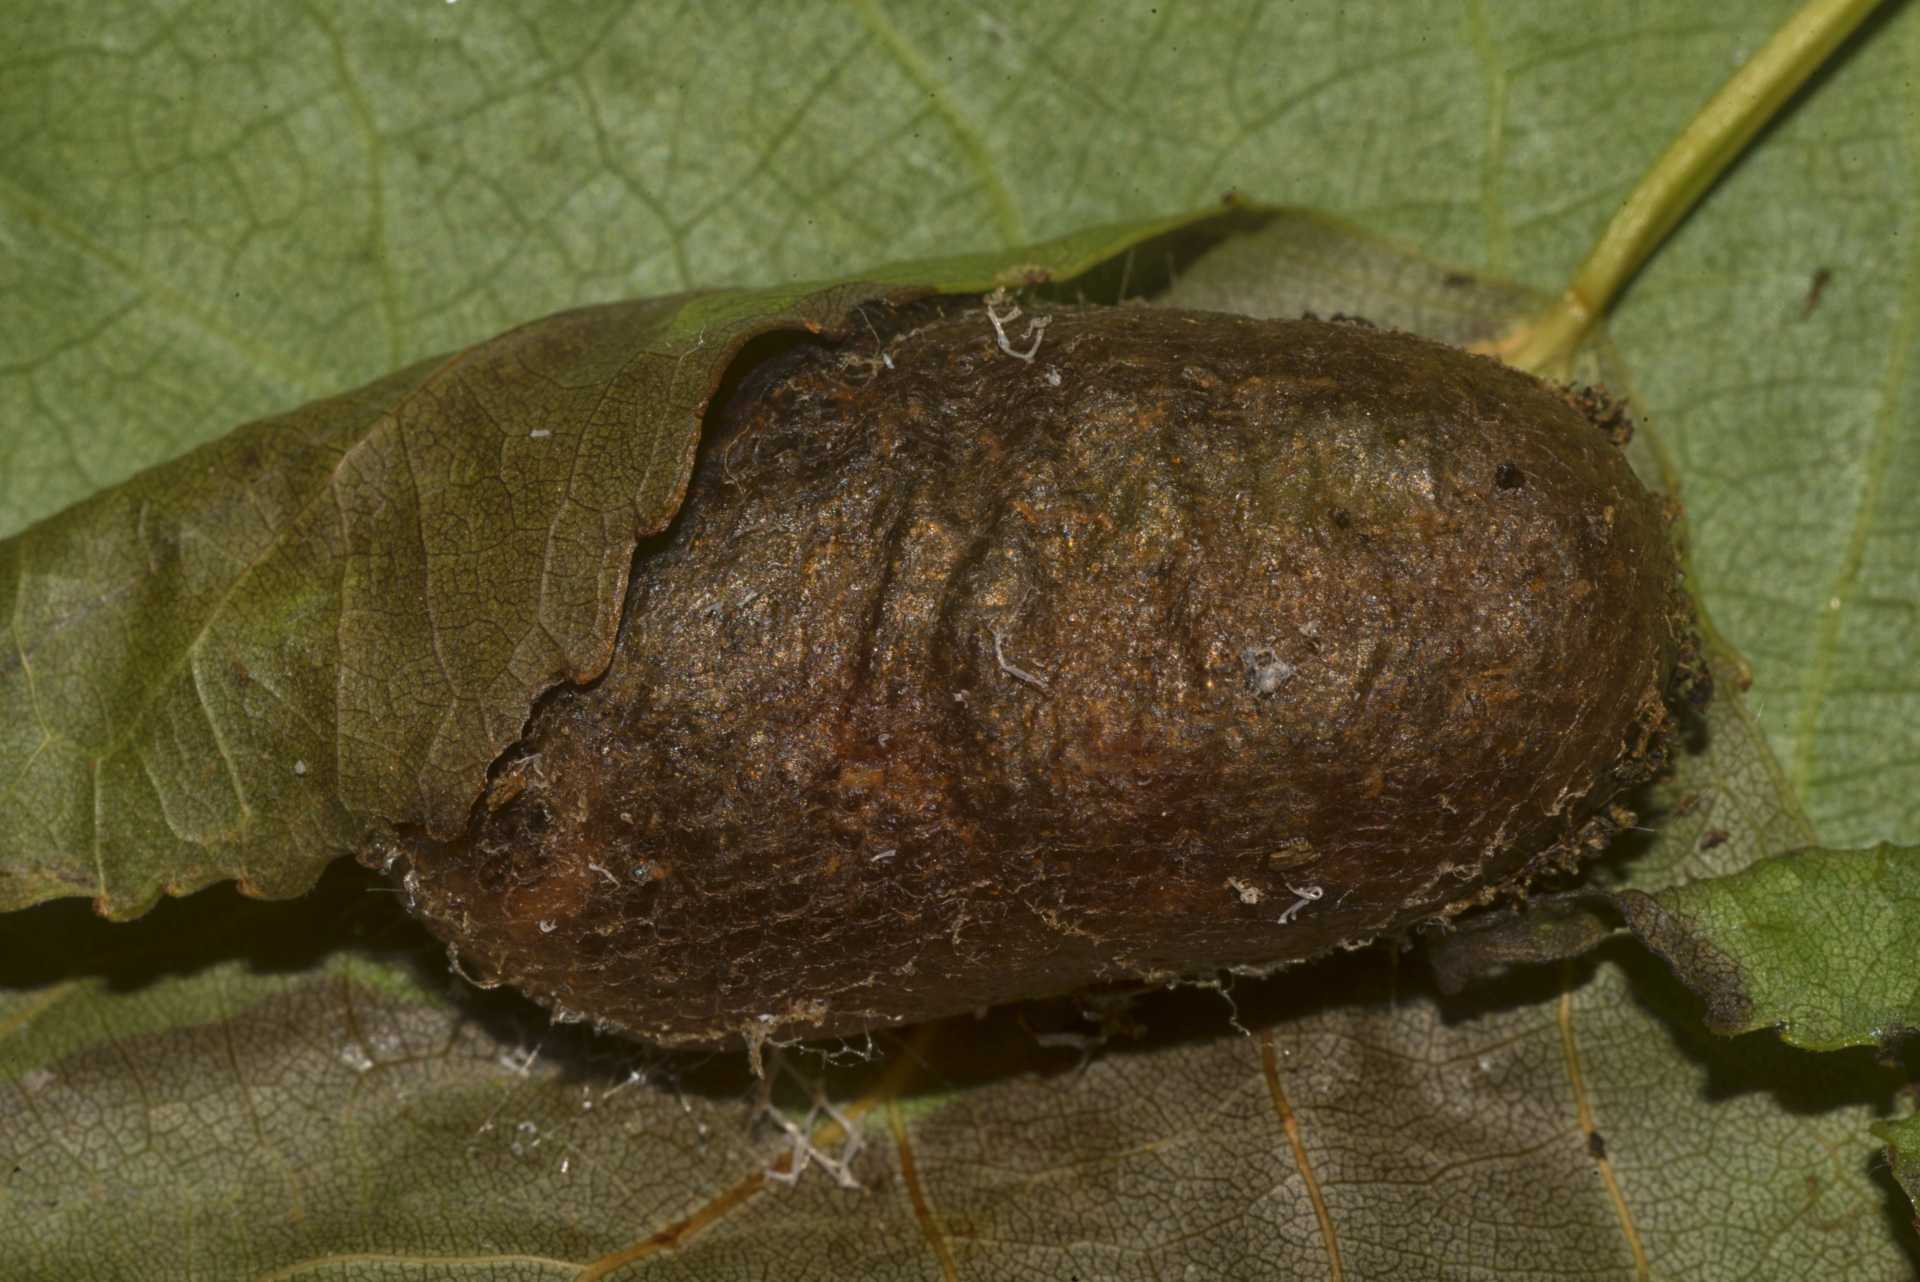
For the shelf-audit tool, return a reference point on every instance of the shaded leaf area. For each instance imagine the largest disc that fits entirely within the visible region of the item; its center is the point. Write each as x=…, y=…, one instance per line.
x=224, y=1090
x=340, y=1110
x=240, y=663
x=282, y=1099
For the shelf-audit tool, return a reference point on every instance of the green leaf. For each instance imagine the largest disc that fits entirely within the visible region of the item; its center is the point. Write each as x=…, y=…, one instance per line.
x=1821, y=944
x=1817, y=944
x=215, y=211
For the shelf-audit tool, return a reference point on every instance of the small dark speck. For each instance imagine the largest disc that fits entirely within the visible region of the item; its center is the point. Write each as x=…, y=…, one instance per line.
x=1457, y=280
x=1342, y=519
x=1596, y=1146
x=1509, y=477
x=1822, y=277
x=1713, y=837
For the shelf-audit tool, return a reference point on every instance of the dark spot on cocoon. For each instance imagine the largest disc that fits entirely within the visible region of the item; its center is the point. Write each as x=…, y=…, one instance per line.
x=966, y=679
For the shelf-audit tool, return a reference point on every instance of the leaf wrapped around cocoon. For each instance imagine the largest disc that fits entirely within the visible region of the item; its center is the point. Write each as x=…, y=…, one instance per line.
x=974, y=670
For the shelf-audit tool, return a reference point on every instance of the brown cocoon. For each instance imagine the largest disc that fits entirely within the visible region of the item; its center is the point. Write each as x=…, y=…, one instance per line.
x=1193, y=642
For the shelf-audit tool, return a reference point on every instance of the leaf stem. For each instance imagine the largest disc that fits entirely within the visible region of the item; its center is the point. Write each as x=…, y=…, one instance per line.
x=1718, y=133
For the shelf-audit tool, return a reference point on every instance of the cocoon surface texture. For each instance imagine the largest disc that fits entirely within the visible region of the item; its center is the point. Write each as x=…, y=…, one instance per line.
x=1192, y=641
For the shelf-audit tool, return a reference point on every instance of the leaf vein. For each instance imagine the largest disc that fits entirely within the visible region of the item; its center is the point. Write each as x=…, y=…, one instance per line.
x=1006, y=213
